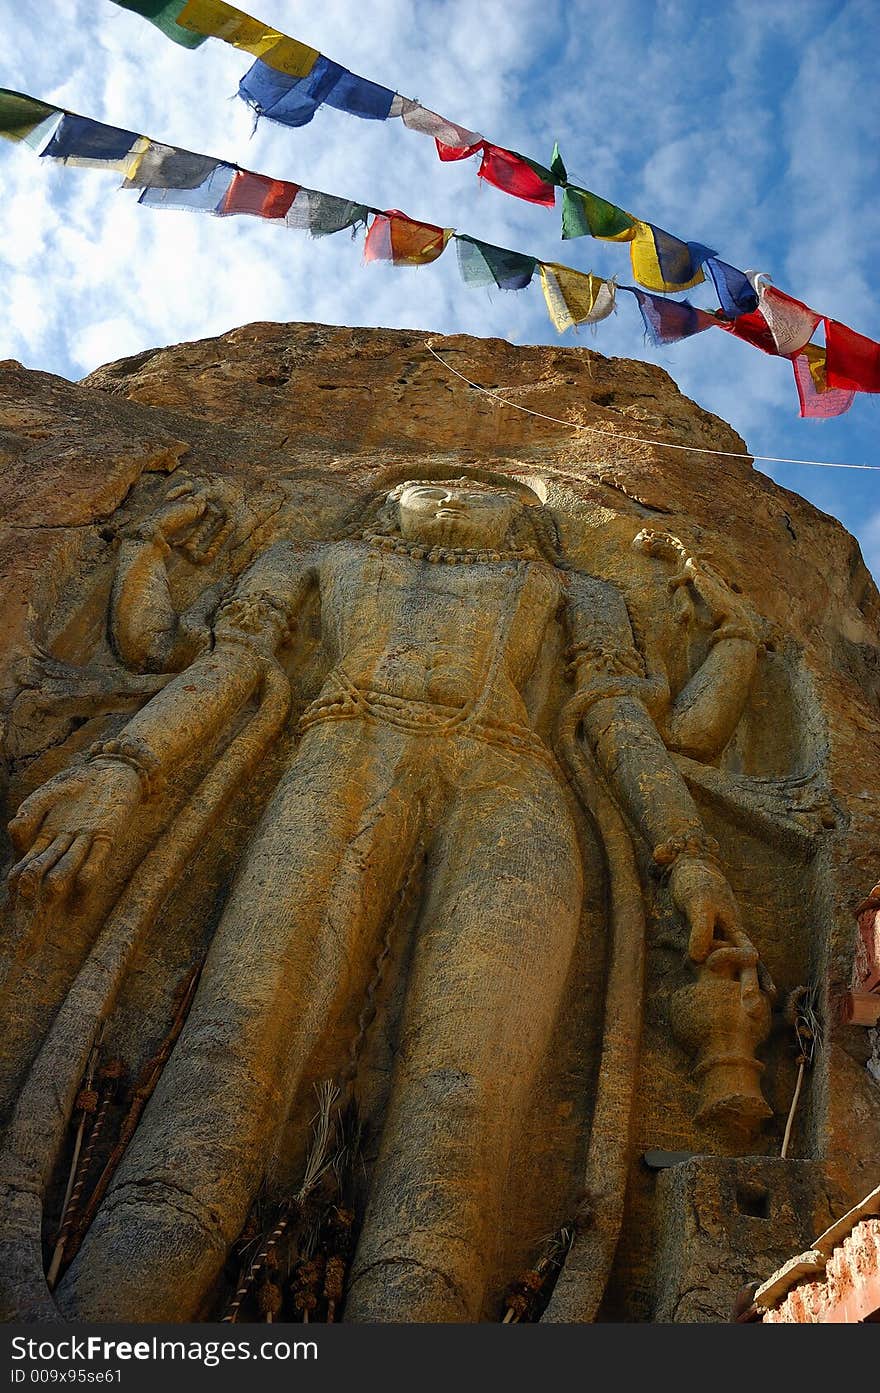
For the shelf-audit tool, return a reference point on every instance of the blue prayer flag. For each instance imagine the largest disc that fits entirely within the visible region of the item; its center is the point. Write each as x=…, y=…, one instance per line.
x=736, y=294
x=669, y=321
x=359, y=97
x=78, y=138
x=293, y=101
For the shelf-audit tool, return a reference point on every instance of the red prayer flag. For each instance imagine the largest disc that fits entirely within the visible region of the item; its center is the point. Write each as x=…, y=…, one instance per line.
x=259, y=195
x=513, y=174
x=457, y=152
x=751, y=328
x=852, y=361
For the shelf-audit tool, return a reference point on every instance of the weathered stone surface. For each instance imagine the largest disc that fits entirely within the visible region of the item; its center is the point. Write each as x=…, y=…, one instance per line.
x=463, y=957
x=721, y=1221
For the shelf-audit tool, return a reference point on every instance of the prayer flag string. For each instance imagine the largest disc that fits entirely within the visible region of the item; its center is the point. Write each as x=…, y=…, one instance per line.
x=289, y=81
x=169, y=177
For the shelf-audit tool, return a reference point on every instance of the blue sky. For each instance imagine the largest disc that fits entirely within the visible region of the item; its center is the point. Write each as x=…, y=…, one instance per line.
x=751, y=126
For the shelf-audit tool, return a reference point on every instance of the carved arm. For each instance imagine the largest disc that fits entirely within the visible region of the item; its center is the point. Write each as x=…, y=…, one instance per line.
x=610, y=681
x=66, y=828
x=145, y=628
x=709, y=707
x=726, y=1013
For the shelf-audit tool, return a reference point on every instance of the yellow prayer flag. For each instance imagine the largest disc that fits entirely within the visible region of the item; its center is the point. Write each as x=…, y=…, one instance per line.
x=574, y=297
x=646, y=265
x=221, y=21
x=291, y=57
x=816, y=360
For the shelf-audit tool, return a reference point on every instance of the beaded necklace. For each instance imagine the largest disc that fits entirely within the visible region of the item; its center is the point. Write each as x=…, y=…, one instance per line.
x=462, y=556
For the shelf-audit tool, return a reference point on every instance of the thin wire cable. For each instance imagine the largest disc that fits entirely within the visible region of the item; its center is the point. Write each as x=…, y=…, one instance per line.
x=639, y=439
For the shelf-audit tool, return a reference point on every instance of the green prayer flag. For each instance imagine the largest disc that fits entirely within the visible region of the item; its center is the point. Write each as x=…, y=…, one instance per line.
x=163, y=13
x=585, y=214
x=19, y=115
x=483, y=264
x=557, y=165
x=328, y=214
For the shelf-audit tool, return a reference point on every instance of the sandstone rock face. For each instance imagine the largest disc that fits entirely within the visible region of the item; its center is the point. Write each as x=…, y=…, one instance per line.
x=522, y=813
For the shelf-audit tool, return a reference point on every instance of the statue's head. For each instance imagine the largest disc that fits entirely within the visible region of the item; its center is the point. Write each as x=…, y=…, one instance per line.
x=469, y=513
x=457, y=513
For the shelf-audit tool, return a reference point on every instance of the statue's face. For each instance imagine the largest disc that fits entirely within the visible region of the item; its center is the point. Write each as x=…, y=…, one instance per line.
x=458, y=515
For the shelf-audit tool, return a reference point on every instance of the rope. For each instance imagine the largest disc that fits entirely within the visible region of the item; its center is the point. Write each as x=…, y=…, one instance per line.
x=641, y=440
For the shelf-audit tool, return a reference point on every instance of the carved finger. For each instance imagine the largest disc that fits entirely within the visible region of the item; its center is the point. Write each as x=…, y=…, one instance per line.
x=702, y=927
x=27, y=822
x=94, y=862
x=45, y=839
x=680, y=578
x=59, y=880
x=185, y=513
x=180, y=490
x=726, y=958
x=32, y=875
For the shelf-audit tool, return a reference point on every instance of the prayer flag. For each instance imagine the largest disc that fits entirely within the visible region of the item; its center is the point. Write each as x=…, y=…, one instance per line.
x=359, y=97
x=751, y=328
x=395, y=237
x=418, y=118
x=165, y=167
x=205, y=199
x=584, y=214
x=516, y=175
x=480, y=263
x=294, y=100
x=669, y=321
x=458, y=152
x=164, y=14
x=574, y=297
x=817, y=399
x=222, y=21
x=557, y=165
x=20, y=116
x=663, y=262
x=91, y=144
x=853, y=361
x=258, y=195
x=289, y=100
x=323, y=213
x=790, y=322
x=736, y=294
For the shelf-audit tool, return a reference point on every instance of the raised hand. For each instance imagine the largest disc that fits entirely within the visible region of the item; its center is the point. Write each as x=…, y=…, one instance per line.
x=700, y=589
x=197, y=518
x=65, y=830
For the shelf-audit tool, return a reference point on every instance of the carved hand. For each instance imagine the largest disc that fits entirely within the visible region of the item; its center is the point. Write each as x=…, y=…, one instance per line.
x=65, y=830
x=702, y=894
x=723, y=605
x=198, y=518
x=179, y=514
